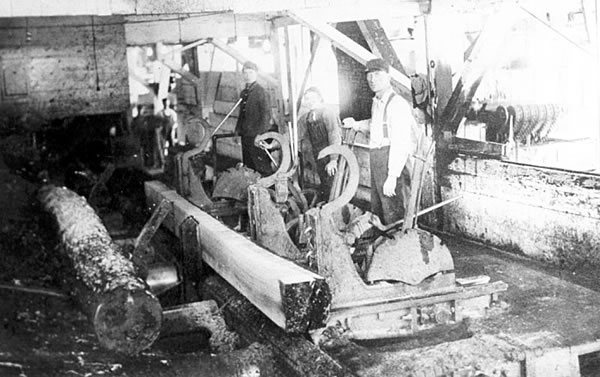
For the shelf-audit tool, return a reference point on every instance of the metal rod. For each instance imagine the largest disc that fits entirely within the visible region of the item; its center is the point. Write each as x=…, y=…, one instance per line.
x=226, y=117
x=387, y=228
x=41, y=291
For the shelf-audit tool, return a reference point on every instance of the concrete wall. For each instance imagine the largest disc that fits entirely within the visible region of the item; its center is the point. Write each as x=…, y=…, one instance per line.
x=547, y=214
x=63, y=66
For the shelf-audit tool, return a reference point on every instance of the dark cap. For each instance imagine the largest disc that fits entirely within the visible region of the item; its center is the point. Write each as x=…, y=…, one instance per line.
x=377, y=65
x=250, y=65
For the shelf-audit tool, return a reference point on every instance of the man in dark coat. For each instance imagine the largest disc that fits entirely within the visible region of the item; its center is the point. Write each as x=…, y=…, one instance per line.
x=254, y=119
x=323, y=127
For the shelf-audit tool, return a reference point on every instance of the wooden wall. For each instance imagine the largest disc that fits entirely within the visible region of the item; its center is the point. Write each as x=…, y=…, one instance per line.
x=546, y=214
x=64, y=66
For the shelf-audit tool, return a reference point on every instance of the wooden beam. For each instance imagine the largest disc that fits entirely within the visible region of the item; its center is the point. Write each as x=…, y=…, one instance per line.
x=276, y=52
x=188, y=46
x=149, y=229
x=480, y=148
x=369, y=10
x=313, y=53
x=469, y=50
x=292, y=94
x=241, y=59
x=185, y=74
x=293, y=298
x=353, y=49
x=486, y=52
x=379, y=43
x=176, y=29
x=37, y=8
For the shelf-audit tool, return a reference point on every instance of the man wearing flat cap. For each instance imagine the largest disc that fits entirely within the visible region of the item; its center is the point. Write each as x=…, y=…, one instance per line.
x=254, y=119
x=393, y=138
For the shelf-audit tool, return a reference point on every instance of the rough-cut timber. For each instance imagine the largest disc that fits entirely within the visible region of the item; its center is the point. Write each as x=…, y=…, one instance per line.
x=295, y=356
x=294, y=298
x=125, y=315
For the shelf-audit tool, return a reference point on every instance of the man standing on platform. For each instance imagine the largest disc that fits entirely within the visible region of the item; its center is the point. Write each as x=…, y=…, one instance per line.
x=254, y=119
x=394, y=137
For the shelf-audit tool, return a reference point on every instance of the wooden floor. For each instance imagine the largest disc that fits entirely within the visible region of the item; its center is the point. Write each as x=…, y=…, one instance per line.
x=545, y=325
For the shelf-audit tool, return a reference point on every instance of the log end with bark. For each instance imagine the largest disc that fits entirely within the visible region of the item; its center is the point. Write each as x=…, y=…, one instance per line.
x=127, y=321
x=125, y=314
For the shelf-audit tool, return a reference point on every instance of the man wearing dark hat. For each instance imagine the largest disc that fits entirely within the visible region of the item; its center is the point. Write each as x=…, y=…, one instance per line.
x=393, y=138
x=254, y=119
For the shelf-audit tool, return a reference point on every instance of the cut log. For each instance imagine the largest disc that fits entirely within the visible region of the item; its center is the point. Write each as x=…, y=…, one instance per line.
x=125, y=315
x=294, y=298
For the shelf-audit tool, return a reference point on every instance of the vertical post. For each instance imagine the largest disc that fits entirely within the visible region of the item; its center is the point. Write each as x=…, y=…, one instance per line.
x=276, y=51
x=597, y=73
x=313, y=53
x=292, y=95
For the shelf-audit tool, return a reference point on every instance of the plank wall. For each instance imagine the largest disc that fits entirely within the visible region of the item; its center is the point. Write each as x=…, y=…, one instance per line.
x=548, y=214
x=64, y=66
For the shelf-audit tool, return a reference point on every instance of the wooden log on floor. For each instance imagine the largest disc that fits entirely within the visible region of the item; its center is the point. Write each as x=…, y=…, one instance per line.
x=294, y=298
x=125, y=315
x=294, y=355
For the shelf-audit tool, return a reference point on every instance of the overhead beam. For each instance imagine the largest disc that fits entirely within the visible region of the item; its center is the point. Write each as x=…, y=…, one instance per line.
x=39, y=8
x=184, y=74
x=379, y=43
x=241, y=59
x=347, y=45
x=176, y=29
x=486, y=51
x=354, y=11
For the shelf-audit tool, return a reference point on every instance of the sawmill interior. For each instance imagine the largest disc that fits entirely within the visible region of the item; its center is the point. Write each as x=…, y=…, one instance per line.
x=146, y=232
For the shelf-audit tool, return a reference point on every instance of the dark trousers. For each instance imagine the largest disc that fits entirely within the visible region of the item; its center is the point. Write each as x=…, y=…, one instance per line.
x=254, y=157
x=326, y=179
x=389, y=209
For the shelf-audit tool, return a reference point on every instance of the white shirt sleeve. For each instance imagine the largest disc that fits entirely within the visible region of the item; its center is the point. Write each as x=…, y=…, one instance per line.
x=400, y=124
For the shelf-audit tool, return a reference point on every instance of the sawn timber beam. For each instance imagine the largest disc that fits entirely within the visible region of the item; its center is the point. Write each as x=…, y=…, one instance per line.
x=295, y=299
x=353, y=49
x=379, y=43
x=240, y=58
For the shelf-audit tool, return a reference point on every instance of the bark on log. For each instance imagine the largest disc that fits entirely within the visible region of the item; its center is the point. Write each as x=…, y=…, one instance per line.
x=126, y=316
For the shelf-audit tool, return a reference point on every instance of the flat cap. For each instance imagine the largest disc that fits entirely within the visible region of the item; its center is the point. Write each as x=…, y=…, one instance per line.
x=250, y=65
x=377, y=65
